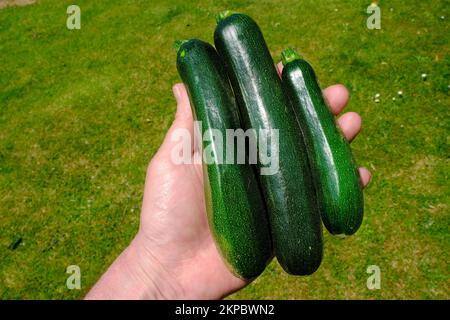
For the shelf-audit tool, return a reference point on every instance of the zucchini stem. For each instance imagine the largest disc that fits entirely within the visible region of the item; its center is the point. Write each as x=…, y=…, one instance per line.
x=178, y=43
x=289, y=55
x=222, y=15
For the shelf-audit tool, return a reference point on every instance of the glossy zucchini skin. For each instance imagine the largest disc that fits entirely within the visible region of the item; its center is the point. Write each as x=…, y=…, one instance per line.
x=289, y=194
x=339, y=191
x=236, y=210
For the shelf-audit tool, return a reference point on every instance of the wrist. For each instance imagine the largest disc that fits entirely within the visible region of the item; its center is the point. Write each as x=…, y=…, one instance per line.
x=149, y=267
x=136, y=274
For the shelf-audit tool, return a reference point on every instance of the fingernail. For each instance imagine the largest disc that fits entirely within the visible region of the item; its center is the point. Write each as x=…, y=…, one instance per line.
x=176, y=92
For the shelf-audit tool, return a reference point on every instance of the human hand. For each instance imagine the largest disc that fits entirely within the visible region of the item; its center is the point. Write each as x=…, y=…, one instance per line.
x=174, y=255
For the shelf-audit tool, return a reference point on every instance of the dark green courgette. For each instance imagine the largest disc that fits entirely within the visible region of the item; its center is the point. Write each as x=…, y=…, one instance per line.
x=336, y=177
x=289, y=193
x=236, y=211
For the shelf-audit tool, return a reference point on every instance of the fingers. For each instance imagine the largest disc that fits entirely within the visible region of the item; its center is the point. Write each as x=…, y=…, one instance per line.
x=364, y=176
x=350, y=124
x=336, y=97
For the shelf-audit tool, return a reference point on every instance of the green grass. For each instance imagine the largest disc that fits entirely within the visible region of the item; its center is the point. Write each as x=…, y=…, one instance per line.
x=82, y=112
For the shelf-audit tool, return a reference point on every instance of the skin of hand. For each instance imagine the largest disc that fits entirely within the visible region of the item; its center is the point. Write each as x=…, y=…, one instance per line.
x=173, y=255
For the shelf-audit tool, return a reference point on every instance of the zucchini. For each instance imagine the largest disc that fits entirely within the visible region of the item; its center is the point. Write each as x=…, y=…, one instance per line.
x=289, y=193
x=235, y=207
x=339, y=191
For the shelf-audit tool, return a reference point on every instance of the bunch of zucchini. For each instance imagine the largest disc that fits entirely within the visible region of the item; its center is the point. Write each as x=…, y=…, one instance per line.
x=251, y=216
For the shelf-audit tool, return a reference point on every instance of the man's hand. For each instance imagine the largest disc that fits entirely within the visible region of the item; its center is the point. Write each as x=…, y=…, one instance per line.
x=173, y=255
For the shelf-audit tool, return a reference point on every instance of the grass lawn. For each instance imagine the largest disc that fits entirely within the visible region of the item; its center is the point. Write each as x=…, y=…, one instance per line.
x=83, y=111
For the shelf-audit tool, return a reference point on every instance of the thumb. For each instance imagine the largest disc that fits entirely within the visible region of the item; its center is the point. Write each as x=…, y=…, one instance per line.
x=183, y=124
x=183, y=116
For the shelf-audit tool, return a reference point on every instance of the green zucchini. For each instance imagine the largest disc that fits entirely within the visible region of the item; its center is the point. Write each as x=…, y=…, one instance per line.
x=289, y=193
x=336, y=176
x=235, y=207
